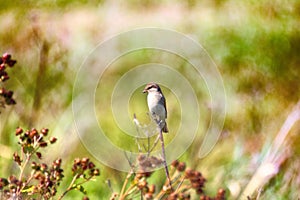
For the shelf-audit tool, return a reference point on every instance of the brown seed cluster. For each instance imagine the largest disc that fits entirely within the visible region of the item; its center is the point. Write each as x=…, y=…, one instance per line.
x=190, y=179
x=5, y=61
x=181, y=195
x=31, y=140
x=196, y=180
x=185, y=182
x=3, y=182
x=48, y=177
x=146, y=165
x=39, y=180
x=146, y=189
x=84, y=168
x=180, y=166
x=43, y=181
x=220, y=196
x=183, y=179
x=6, y=95
x=150, y=190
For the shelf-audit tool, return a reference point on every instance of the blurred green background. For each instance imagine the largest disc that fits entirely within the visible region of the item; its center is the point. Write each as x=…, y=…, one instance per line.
x=255, y=44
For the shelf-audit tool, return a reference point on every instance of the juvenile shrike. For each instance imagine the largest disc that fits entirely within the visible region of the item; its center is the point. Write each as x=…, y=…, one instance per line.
x=157, y=105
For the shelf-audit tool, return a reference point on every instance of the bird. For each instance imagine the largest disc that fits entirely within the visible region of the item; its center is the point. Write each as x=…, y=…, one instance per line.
x=157, y=105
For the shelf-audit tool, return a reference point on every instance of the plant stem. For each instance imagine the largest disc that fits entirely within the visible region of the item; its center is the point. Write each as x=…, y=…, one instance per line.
x=122, y=195
x=130, y=190
x=70, y=187
x=164, y=158
x=180, y=183
x=24, y=165
x=22, y=169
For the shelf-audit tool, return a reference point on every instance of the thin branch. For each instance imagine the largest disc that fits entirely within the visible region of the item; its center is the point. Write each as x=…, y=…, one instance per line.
x=154, y=144
x=109, y=185
x=164, y=158
x=125, y=183
x=128, y=160
x=70, y=186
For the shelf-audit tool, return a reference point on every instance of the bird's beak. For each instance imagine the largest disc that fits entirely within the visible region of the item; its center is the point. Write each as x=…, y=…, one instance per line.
x=144, y=91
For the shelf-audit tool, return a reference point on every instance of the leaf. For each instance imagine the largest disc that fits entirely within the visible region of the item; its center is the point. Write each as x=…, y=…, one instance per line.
x=28, y=149
x=28, y=189
x=80, y=188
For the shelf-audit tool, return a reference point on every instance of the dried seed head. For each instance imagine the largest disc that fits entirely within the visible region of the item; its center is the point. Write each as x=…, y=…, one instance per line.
x=91, y=165
x=53, y=140
x=2, y=66
x=85, y=160
x=221, y=194
x=43, y=144
x=189, y=172
x=4, y=77
x=199, y=191
x=17, y=158
x=12, y=179
x=166, y=188
x=6, y=57
x=11, y=63
x=148, y=196
x=3, y=183
x=152, y=189
x=221, y=191
x=9, y=94
x=44, y=167
x=44, y=131
x=34, y=166
x=173, y=196
x=39, y=155
x=19, y=131
x=96, y=172
x=77, y=161
x=33, y=133
x=57, y=162
x=181, y=166
x=142, y=184
x=175, y=163
x=197, y=173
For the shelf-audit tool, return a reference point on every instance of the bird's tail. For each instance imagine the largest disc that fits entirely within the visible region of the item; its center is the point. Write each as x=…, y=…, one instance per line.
x=165, y=128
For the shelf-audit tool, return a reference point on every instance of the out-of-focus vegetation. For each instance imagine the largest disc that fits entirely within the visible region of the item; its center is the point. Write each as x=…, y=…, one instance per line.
x=255, y=45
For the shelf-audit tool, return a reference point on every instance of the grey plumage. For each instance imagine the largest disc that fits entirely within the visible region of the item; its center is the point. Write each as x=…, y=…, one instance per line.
x=157, y=105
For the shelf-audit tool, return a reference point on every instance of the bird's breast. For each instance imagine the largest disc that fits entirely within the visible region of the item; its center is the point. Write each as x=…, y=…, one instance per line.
x=155, y=106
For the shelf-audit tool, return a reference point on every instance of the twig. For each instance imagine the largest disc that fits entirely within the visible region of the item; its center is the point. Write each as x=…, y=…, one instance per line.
x=109, y=185
x=28, y=157
x=180, y=183
x=70, y=187
x=154, y=144
x=137, y=126
x=24, y=165
x=129, y=191
x=125, y=183
x=164, y=158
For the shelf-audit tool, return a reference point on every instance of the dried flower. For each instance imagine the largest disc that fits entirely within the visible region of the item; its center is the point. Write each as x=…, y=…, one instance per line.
x=53, y=140
x=181, y=166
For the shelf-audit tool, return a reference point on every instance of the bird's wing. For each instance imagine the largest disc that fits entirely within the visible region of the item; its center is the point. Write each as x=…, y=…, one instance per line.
x=164, y=103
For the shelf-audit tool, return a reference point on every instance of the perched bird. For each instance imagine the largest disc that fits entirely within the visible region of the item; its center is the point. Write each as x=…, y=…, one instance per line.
x=157, y=105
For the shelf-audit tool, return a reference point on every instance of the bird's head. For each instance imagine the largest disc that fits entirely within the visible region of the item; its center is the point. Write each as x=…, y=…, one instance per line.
x=152, y=87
